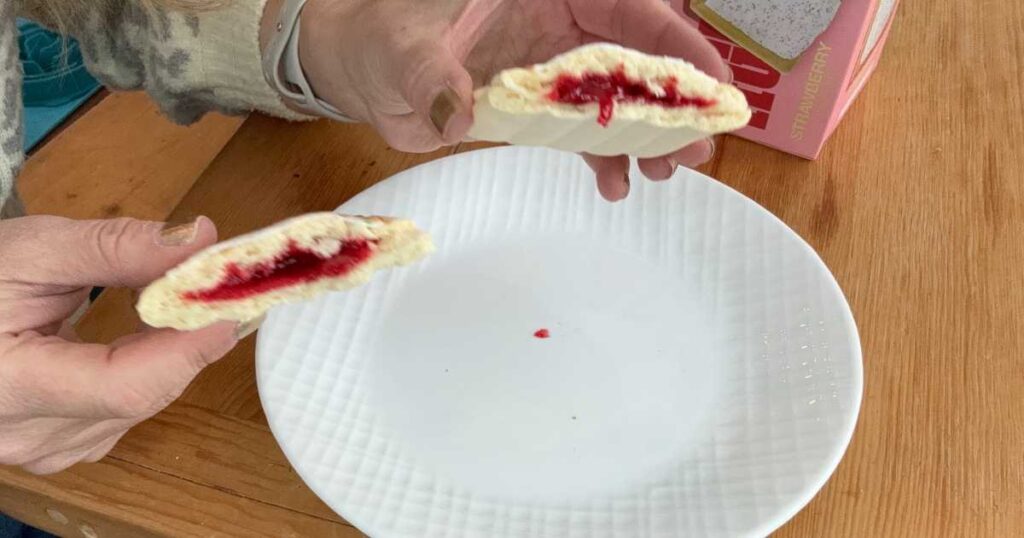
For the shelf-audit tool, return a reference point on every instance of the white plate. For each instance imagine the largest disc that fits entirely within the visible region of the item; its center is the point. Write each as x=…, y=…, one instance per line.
x=702, y=377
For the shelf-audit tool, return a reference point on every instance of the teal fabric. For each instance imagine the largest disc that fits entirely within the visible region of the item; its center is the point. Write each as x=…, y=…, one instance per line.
x=11, y=528
x=55, y=81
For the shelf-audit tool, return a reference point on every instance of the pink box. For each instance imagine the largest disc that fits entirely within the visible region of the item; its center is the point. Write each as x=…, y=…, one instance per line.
x=796, y=111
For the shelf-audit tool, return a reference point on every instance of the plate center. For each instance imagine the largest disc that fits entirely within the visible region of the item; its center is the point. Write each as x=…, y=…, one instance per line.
x=626, y=380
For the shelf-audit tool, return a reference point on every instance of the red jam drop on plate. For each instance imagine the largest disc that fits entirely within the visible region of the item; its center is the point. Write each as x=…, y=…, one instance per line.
x=542, y=334
x=606, y=89
x=296, y=265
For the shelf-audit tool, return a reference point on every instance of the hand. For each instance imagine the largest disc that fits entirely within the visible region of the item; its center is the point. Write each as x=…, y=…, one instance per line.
x=63, y=401
x=409, y=66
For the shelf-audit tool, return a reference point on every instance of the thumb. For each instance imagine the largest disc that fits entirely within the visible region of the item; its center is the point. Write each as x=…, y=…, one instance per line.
x=147, y=371
x=134, y=377
x=116, y=252
x=438, y=88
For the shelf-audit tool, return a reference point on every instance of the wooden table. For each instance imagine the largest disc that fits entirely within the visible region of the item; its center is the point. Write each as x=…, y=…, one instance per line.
x=917, y=205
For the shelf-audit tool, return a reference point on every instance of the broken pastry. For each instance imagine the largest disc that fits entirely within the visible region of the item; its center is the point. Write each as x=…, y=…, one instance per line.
x=604, y=99
x=241, y=279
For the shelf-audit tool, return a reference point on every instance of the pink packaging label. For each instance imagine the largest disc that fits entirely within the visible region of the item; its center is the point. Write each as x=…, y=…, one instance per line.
x=796, y=111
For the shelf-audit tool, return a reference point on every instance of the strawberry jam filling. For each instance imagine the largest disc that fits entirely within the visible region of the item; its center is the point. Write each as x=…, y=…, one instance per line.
x=606, y=89
x=295, y=265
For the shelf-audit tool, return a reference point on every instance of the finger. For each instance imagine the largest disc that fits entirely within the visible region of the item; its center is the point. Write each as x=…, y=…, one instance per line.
x=102, y=449
x=58, y=444
x=661, y=168
x=73, y=444
x=131, y=379
x=62, y=460
x=408, y=132
x=150, y=370
x=437, y=87
x=43, y=313
x=612, y=175
x=52, y=464
x=650, y=26
x=67, y=331
x=118, y=252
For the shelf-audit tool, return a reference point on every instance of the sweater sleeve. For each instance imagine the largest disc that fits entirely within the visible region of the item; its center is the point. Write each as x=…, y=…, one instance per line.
x=190, y=63
x=10, y=114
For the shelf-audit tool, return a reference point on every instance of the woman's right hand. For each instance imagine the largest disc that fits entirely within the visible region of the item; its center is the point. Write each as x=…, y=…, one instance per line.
x=409, y=66
x=63, y=401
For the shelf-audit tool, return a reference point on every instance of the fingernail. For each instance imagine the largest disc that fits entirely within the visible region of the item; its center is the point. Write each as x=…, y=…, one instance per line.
x=443, y=108
x=178, y=234
x=673, y=164
x=246, y=328
x=711, y=149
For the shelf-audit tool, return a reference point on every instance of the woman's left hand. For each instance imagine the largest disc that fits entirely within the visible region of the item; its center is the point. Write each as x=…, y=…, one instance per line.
x=408, y=66
x=63, y=401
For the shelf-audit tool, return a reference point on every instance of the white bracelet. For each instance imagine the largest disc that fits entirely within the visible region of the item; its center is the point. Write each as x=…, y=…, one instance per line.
x=282, y=68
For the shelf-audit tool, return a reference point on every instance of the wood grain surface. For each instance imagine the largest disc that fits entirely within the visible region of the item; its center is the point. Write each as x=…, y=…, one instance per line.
x=916, y=206
x=121, y=158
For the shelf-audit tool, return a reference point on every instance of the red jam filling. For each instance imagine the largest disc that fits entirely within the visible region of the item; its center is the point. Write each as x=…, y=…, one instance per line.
x=542, y=333
x=295, y=265
x=606, y=89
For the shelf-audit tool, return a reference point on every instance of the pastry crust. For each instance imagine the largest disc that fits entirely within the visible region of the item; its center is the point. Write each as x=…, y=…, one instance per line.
x=163, y=303
x=516, y=106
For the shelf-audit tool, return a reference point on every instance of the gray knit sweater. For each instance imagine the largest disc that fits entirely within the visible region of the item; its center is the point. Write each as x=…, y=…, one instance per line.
x=189, y=63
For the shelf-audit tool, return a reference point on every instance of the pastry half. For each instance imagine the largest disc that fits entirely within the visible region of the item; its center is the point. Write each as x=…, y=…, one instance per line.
x=297, y=259
x=605, y=99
